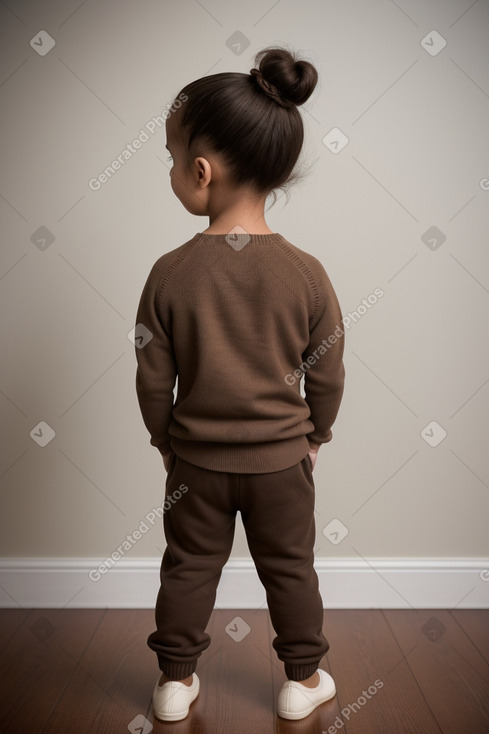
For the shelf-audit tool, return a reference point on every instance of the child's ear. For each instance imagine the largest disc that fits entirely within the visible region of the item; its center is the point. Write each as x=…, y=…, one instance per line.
x=203, y=171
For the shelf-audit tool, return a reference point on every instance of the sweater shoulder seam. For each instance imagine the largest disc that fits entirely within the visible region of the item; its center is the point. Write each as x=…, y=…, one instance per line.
x=170, y=271
x=301, y=265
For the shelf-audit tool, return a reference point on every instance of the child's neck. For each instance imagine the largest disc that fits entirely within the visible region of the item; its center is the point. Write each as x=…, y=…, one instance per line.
x=225, y=214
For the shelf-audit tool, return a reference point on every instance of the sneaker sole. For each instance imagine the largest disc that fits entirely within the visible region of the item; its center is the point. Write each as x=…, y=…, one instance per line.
x=294, y=716
x=176, y=716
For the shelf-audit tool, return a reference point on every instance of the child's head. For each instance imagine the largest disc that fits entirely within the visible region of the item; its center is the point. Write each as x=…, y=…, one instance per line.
x=249, y=123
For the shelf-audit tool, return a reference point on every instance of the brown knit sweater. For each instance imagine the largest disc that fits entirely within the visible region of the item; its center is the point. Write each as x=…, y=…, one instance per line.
x=237, y=325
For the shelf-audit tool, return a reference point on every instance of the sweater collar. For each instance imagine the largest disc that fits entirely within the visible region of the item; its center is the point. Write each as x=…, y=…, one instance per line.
x=259, y=239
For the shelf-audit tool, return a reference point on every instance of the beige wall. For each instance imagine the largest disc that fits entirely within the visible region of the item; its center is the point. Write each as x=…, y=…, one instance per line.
x=417, y=158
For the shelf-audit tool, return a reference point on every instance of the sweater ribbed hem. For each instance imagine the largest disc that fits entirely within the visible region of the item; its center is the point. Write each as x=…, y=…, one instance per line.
x=300, y=672
x=176, y=671
x=251, y=458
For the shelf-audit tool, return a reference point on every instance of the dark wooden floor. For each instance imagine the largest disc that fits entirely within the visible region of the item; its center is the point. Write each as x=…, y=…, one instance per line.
x=89, y=670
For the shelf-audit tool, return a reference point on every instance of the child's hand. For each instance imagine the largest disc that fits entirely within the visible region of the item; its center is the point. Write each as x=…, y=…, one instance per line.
x=313, y=454
x=167, y=459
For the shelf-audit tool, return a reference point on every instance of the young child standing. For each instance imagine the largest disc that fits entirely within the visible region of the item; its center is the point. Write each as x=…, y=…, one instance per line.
x=239, y=314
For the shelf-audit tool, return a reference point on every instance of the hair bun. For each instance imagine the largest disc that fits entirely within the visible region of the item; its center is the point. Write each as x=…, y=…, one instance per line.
x=284, y=77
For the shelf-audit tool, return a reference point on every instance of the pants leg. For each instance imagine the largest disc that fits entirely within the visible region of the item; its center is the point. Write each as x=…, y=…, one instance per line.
x=199, y=531
x=278, y=516
x=277, y=510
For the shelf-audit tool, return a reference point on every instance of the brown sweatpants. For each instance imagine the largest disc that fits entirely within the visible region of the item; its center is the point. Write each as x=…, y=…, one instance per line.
x=277, y=510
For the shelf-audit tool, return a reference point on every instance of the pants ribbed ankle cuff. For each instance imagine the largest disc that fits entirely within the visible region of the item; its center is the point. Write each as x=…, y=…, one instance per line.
x=177, y=671
x=300, y=672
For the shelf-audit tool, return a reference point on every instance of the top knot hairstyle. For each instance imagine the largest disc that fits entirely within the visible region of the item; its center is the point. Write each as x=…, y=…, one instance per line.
x=251, y=120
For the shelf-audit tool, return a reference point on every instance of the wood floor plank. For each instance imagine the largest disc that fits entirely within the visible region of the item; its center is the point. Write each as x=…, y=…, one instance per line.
x=90, y=671
x=38, y=661
x=475, y=623
x=376, y=691
x=452, y=674
x=11, y=620
x=252, y=659
x=114, y=678
x=246, y=690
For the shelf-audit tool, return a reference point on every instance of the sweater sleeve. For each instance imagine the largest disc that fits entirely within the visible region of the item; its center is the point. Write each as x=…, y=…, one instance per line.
x=323, y=362
x=156, y=365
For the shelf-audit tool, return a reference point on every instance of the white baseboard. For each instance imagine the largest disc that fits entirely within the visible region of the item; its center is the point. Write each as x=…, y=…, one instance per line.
x=379, y=583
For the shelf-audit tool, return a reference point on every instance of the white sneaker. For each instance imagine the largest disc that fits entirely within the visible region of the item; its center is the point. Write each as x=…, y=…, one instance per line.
x=171, y=701
x=297, y=701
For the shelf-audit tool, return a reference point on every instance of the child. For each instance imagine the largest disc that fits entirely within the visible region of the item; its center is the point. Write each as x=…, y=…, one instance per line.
x=239, y=314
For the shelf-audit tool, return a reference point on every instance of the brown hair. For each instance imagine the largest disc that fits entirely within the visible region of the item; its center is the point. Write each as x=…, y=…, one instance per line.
x=252, y=119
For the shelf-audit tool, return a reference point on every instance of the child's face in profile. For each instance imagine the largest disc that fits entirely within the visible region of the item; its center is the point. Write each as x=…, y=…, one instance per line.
x=182, y=178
